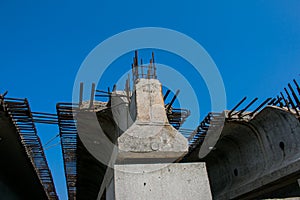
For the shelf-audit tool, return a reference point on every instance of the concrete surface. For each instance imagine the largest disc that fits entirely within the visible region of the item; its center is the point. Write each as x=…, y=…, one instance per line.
x=120, y=110
x=257, y=158
x=150, y=136
x=176, y=181
x=98, y=133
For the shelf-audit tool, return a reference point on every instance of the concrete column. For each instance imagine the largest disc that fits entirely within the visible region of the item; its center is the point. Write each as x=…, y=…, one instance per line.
x=120, y=110
x=147, y=150
x=176, y=181
x=150, y=136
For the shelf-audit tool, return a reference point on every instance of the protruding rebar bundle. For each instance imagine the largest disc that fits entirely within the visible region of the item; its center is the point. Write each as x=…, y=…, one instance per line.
x=143, y=71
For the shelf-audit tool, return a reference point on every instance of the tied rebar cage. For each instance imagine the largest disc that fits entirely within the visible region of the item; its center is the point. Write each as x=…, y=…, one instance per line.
x=20, y=114
x=141, y=70
x=69, y=137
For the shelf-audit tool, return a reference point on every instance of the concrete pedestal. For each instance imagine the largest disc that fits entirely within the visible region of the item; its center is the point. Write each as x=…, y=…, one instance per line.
x=160, y=181
x=151, y=136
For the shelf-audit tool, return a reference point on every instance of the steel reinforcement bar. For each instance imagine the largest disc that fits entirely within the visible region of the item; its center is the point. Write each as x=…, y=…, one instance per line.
x=19, y=112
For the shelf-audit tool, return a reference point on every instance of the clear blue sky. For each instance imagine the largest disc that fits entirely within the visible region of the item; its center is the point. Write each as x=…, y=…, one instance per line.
x=255, y=44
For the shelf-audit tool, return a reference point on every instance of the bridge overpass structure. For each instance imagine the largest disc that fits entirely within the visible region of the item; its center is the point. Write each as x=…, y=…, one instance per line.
x=250, y=152
x=132, y=143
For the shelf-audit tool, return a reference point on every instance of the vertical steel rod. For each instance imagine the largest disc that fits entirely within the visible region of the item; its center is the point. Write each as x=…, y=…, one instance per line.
x=80, y=94
x=92, y=96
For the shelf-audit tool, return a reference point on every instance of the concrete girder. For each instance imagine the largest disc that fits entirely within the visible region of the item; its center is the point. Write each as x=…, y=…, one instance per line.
x=257, y=157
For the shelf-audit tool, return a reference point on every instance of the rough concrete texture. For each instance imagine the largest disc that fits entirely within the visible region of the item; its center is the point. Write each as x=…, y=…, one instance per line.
x=151, y=135
x=257, y=158
x=176, y=181
x=97, y=105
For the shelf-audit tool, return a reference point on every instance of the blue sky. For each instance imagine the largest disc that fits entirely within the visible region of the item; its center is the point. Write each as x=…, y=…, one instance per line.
x=255, y=44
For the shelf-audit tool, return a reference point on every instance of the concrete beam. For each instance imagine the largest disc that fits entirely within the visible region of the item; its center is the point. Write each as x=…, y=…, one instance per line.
x=18, y=178
x=256, y=157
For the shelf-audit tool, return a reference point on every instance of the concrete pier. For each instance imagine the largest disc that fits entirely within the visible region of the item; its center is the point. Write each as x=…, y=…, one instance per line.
x=176, y=181
x=155, y=144
x=150, y=136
